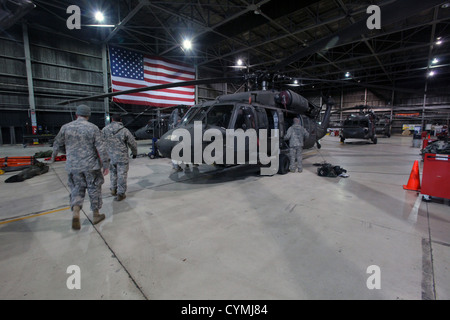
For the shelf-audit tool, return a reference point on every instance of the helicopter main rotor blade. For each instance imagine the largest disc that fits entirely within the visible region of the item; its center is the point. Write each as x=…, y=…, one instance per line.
x=152, y=88
x=390, y=13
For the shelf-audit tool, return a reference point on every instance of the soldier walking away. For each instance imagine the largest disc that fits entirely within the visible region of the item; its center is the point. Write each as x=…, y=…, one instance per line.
x=87, y=163
x=118, y=139
x=296, y=135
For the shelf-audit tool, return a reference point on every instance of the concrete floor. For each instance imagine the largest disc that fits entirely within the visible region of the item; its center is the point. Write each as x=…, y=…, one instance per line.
x=232, y=234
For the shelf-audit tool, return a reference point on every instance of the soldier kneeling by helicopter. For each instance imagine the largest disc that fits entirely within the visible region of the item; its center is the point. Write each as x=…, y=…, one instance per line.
x=296, y=135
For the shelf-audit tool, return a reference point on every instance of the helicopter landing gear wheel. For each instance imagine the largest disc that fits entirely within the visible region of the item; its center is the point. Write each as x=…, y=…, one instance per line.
x=284, y=162
x=318, y=145
x=342, y=139
x=375, y=140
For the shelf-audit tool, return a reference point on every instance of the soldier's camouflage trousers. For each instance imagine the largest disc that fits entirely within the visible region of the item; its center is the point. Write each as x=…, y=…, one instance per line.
x=92, y=182
x=119, y=175
x=295, y=154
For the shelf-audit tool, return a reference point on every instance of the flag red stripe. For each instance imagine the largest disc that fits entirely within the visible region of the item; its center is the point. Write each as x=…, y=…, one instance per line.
x=161, y=74
x=159, y=66
x=144, y=103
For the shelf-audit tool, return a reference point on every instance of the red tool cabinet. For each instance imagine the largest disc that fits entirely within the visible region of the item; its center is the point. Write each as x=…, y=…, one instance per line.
x=436, y=175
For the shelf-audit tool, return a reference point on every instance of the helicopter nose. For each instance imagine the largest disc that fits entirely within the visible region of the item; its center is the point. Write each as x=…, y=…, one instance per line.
x=171, y=138
x=165, y=145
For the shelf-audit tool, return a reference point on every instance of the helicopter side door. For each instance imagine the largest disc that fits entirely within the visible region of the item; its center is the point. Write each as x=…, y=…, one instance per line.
x=244, y=119
x=269, y=119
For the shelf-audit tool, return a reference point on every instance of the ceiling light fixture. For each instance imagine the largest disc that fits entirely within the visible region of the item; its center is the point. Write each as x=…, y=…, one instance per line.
x=240, y=64
x=99, y=16
x=100, y=25
x=434, y=61
x=187, y=44
x=431, y=73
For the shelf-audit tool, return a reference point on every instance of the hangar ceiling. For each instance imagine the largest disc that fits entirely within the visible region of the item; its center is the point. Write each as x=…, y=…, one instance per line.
x=287, y=35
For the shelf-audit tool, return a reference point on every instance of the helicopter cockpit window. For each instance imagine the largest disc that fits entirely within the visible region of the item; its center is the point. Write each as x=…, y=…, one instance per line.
x=219, y=115
x=245, y=118
x=351, y=123
x=190, y=114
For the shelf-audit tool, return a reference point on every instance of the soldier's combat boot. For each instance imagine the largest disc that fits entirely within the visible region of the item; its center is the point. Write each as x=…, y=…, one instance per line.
x=120, y=197
x=114, y=192
x=98, y=216
x=76, y=218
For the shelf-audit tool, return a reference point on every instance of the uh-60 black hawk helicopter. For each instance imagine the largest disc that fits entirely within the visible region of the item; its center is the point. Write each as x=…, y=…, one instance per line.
x=360, y=125
x=163, y=122
x=365, y=125
x=250, y=113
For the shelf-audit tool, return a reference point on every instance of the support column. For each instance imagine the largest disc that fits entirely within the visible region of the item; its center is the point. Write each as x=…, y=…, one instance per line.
x=105, y=83
x=12, y=134
x=160, y=122
x=424, y=104
x=31, y=99
x=392, y=106
x=321, y=99
x=196, y=87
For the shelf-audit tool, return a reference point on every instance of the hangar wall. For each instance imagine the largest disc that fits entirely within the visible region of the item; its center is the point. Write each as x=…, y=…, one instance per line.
x=61, y=68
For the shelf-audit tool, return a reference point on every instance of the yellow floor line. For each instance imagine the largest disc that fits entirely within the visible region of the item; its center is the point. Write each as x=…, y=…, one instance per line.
x=34, y=215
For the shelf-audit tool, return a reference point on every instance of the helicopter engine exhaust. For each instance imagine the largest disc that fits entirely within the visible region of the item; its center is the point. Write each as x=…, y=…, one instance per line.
x=293, y=101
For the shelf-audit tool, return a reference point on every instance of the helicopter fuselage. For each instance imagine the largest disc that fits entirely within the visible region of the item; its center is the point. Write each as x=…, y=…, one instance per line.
x=240, y=128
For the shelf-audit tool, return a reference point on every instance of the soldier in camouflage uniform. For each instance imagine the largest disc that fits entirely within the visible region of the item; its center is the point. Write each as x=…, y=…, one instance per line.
x=296, y=135
x=86, y=157
x=118, y=139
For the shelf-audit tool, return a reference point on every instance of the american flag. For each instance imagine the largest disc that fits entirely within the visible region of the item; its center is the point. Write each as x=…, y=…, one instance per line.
x=131, y=70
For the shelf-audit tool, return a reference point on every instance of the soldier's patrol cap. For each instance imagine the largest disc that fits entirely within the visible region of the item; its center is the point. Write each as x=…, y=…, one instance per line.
x=83, y=110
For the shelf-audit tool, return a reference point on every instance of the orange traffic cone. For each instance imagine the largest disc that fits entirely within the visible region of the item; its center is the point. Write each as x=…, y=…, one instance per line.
x=414, y=178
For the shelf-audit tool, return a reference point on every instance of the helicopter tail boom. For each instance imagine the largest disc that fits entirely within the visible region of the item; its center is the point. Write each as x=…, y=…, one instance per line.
x=322, y=128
